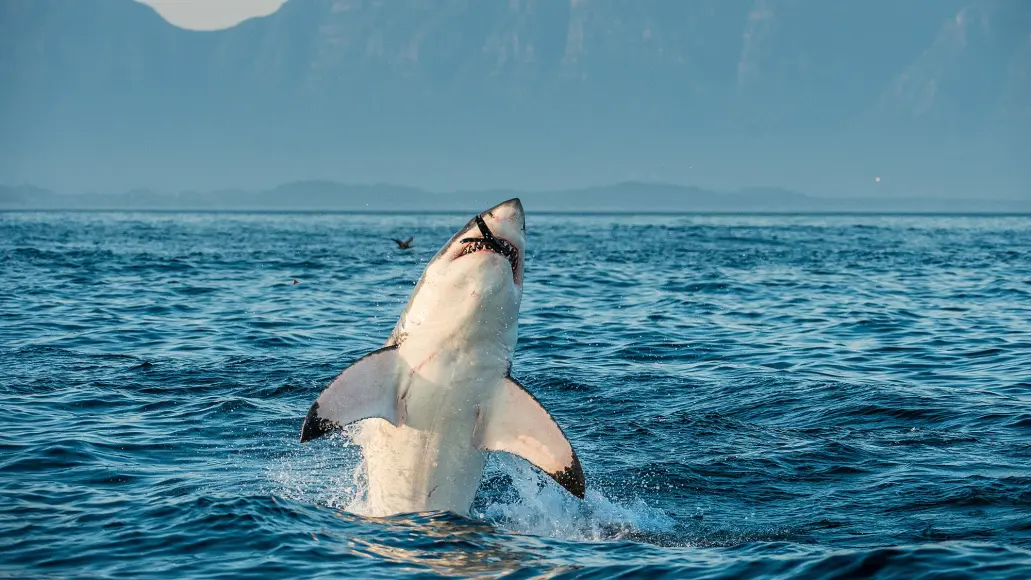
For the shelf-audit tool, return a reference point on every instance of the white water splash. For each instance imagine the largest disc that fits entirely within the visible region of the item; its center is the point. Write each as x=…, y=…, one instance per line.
x=333, y=475
x=330, y=474
x=542, y=508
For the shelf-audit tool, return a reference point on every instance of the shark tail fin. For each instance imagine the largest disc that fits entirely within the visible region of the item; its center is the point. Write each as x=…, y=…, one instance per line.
x=518, y=424
x=366, y=389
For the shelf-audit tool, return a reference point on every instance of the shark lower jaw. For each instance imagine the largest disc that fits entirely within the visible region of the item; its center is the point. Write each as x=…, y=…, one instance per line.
x=493, y=245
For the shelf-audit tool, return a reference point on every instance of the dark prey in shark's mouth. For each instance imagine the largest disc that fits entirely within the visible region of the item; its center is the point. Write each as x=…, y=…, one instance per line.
x=491, y=243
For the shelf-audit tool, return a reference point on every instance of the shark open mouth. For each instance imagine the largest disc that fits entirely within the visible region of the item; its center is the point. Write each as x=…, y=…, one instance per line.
x=491, y=243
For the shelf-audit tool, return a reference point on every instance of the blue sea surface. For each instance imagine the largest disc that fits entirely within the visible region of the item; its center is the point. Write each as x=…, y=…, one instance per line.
x=751, y=396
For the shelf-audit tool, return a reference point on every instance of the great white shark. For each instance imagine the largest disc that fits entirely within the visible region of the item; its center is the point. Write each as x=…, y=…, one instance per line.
x=440, y=395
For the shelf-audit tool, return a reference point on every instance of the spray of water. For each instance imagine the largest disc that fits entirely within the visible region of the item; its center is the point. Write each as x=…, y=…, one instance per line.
x=541, y=508
x=333, y=475
x=329, y=473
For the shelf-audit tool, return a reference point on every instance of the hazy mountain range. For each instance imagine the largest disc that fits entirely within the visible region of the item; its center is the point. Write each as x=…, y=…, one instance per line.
x=811, y=95
x=621, y=197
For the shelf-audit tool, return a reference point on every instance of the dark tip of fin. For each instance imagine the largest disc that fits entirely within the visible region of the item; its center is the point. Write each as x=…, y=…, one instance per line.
x=572, y=478
x=315, y=426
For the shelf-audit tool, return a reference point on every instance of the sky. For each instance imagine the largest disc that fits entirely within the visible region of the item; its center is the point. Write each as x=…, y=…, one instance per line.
x=212, y=14
x=415, y=94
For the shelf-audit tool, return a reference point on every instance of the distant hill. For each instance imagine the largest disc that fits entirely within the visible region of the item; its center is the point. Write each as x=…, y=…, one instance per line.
x=621, y=198
x=812, y=94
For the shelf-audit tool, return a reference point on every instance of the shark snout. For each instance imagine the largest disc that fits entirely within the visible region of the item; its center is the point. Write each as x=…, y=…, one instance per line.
x=505, y=221
x=509, y=213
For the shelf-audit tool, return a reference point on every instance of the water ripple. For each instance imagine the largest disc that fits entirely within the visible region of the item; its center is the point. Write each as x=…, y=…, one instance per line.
x=762, y=396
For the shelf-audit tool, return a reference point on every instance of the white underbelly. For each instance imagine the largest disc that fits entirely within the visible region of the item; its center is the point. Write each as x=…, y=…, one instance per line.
x=411, y=470
x=430, y=462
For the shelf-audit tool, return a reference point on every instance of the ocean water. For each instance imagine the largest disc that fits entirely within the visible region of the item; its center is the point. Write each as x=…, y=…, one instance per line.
x=751, y=396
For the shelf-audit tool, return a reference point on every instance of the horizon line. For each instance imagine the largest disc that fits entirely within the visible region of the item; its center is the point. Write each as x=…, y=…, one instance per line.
x=885, y=197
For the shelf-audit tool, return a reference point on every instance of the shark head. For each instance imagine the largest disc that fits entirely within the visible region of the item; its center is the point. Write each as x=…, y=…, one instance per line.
x=475, y=282
x=486, y=244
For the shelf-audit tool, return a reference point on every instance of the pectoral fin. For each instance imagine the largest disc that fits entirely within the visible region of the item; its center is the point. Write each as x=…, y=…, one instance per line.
x=518, y=424
x=366, y=389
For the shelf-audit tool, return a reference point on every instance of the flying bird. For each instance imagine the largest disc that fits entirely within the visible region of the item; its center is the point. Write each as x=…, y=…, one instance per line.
x=405, y=245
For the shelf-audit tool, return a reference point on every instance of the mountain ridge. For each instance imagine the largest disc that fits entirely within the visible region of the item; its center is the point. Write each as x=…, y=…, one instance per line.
x=467, y=95
x=626, y=197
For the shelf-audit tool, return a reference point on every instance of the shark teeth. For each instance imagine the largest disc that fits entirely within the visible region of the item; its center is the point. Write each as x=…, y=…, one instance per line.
x=508, y=250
